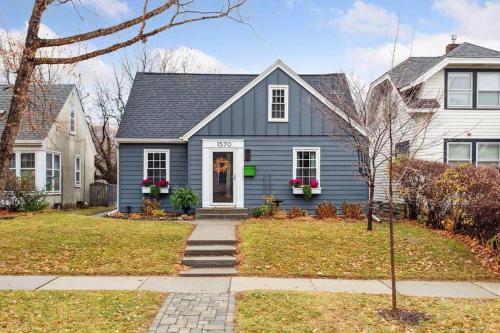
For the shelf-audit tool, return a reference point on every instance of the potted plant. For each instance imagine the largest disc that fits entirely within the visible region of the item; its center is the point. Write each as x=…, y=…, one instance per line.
x=184, y=198
x=155, y=189
x=295, y=182
x=306, y=189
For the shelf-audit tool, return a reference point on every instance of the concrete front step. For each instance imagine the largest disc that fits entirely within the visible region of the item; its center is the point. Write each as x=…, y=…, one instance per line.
x=209, y=261
x=214, y=271
x=218, y=216
x=210, y=250
x=207, y=242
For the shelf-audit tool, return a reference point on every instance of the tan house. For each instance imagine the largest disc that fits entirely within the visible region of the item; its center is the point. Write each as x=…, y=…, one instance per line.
x=54, y=147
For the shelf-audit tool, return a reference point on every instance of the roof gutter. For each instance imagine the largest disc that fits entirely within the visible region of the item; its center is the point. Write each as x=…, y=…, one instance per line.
x=28, y=142
x=147, y=140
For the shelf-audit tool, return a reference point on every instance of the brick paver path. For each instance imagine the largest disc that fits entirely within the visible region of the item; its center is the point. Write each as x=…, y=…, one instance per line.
x=195, y=313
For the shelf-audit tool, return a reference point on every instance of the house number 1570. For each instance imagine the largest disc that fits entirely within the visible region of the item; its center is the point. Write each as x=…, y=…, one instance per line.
x=224, y=144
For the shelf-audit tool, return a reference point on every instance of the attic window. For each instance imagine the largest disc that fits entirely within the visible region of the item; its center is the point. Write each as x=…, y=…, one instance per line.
x=278, y=103
x=72, y=120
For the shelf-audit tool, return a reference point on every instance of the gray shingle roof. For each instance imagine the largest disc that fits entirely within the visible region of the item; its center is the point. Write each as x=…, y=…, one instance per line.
x=43, y=107
x=409, y=70
x=169, y=105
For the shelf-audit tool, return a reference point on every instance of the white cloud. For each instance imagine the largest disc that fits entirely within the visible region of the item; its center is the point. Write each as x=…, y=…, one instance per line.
x=473, y=18
x=112, y=8
x=367, y=18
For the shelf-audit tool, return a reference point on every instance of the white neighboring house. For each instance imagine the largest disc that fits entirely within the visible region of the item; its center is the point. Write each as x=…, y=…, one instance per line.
x=462, y=89
x=54, y=147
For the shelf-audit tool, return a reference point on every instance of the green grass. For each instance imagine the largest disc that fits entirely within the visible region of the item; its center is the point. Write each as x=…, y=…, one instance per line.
x=69, y=243
x=77, y=311
x=269, y=311
x=90, y=211
x=346, y=250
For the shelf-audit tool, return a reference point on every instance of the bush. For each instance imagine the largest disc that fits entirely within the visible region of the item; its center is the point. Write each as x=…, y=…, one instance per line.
x=22, y=195
x=307, y=190
x=184, y=198
x=260, y=211
x=296, y=212
x=410, y=180
x=326, y=210
x=352, y=210
x=149, y=206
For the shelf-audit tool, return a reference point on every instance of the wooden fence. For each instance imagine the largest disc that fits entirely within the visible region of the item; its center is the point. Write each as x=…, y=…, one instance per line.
x=102, y=194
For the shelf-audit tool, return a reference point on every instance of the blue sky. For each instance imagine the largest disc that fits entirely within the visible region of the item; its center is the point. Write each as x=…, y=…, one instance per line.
x=310, y=36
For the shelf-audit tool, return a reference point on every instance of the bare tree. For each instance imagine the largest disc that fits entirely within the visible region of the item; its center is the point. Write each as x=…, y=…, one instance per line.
x=107, y=105
x=176, y=12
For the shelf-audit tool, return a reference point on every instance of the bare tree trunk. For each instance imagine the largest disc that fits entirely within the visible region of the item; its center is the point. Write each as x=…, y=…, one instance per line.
x=369, y=226
x=20, y=91
x=391, y=215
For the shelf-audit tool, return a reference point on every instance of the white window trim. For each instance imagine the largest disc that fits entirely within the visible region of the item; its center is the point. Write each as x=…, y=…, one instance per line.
x=458, y=143
x=78, y=183
x=72, y=119
x=478, y=91
x=167, y=161
x=470, y=91
x=318, y=161
x=60, y=171
x=270, y=89
x=477, y=152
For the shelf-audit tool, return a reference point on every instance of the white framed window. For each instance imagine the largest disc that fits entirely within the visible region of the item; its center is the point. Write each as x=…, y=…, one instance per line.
x=157, y=164
x=459, y=153
x=488, y=89
x=78, y=173
x=53, y=172
x=459, y=89
x=72, y=120
x=12, y=167
x=306, y=164
x=277, y=103
x=27, y=167
x=488, y=154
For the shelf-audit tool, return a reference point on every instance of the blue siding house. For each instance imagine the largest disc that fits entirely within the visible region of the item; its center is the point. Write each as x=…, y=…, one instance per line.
x=261, y=130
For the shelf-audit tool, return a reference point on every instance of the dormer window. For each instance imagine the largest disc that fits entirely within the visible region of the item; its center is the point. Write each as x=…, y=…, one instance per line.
x=278, y=103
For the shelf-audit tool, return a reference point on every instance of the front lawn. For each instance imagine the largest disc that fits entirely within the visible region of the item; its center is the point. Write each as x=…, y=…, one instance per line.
x=270, y=311
x=73, y=243
x=77, y=311
x=346, y=250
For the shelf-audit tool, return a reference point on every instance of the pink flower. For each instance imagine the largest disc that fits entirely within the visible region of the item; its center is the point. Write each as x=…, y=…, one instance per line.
x=147, y=182
x=314, y=183
x=162, y=183
x=295, y=182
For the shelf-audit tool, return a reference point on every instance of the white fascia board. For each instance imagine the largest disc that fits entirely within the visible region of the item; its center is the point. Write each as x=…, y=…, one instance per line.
x=277, y=64
x=143, y=140
x=451, y=61
x=28, y=142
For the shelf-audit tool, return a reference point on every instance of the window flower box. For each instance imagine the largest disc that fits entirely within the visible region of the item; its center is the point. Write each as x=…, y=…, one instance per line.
x=147, y=189
x=298, y=190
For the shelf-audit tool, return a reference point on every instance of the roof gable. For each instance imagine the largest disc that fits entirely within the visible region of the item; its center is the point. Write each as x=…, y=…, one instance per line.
x=45, y=104
x=172, y=106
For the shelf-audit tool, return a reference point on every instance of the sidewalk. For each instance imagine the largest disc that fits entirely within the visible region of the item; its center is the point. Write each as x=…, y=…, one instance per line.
x=214, y=285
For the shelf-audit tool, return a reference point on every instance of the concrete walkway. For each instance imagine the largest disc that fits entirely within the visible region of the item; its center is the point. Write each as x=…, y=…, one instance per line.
x=219, y=285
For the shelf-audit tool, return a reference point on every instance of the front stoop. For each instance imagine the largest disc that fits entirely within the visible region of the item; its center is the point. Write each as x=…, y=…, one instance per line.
x=221, y=213
x=211, y=251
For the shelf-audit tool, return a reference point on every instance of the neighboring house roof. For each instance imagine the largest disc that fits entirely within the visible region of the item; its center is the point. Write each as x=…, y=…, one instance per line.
x=170, y=105
x=45, y=103
x=408, y=71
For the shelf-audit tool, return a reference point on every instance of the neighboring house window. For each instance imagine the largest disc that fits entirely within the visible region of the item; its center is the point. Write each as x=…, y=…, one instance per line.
x=77, y=171
x=402, y=149
x=156, y=164
x=306, y=164
x=460, y=89
x=488, y=89
x=488, y=154
x=72, y=120
x=12, y=166
x=459, y=152
x=27, y=167
x=53, y=172
x=278, y=103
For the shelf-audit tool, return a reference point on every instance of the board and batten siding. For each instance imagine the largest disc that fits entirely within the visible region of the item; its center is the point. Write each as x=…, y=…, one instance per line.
x=446, y=124
x=273, y=158
x=271, y=145
x=131, y=159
